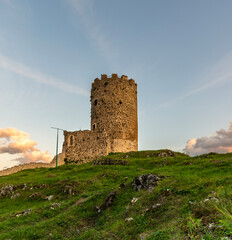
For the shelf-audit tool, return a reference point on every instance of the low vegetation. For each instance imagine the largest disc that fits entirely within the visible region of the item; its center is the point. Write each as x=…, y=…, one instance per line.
x=143, y=195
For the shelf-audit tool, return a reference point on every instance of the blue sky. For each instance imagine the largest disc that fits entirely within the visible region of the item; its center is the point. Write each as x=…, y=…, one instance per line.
x=179, y=52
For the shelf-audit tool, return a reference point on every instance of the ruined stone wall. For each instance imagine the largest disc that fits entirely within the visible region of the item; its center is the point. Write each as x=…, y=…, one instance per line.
x=60, y=161
x=23, y=167
x=114, y=109
x=85, y=145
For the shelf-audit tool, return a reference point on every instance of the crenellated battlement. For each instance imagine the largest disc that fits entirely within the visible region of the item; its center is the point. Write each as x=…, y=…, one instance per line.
x=113, y=77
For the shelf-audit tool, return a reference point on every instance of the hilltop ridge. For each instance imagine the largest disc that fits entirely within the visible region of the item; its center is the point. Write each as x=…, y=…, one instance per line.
x=137, y=195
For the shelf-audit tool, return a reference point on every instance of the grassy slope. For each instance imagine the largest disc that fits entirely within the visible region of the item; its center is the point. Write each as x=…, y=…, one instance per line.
x=195, y=198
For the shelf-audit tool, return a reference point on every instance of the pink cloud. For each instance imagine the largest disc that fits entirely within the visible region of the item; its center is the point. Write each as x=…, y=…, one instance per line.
x=220, y=142
x=14, y=141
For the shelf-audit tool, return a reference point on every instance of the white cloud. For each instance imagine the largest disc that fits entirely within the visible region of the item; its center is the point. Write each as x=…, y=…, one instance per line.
x=220, y=142
x=37, y=76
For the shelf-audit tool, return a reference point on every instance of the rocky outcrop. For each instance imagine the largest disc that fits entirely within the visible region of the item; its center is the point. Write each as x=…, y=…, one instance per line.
x=147, y=182
x=7, y=190
x=14, y=191
x=69, y=189
x=108, y=202
x=165, y=153
x=110, y=161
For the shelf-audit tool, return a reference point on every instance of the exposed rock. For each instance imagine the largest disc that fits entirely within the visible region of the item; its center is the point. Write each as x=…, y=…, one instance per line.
x=23, y=212
x=165, y=153
x=156, y=205
x=15, y=195
x=24, y=186
x=7, y=190
x=38, y=186
x=70, y=190
x=147, y=181
x=122, y=185
x=108, y=202
x=49, y=198
x=153, y=207
x=98, y=209
x=35, y=195
x=109, y=161
x=55, y=205
x=21, y=186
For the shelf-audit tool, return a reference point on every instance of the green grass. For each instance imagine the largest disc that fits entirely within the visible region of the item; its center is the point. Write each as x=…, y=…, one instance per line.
x=195, y=200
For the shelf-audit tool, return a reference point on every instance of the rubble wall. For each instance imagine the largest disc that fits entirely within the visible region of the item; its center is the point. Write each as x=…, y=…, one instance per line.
x=85, y=145
x=23, y=167
x=60, y=161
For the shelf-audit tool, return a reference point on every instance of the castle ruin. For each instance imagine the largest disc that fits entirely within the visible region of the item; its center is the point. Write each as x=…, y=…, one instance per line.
x=114, y=121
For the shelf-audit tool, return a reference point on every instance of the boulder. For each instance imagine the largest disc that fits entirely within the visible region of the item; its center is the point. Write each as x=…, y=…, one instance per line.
x=7, y=190
x=147, y=182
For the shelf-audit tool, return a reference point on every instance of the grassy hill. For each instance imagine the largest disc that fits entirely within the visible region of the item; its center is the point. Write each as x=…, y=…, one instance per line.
x=190, y=198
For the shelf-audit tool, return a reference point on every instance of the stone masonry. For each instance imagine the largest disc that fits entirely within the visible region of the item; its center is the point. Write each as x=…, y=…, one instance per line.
x=114, y=122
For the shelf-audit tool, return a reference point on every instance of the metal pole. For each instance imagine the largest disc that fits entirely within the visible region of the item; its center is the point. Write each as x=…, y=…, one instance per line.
x=57, y=138
x=57, y=146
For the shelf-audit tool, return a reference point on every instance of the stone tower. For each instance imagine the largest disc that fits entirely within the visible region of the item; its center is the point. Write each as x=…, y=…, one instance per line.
x=114, y=122
x=114, y=110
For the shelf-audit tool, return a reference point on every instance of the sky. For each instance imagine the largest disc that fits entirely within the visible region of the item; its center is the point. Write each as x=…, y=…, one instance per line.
x=179, y=52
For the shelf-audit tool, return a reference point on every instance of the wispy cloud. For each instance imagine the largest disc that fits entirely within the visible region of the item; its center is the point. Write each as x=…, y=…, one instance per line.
x=37, y=76
x=219, y=74
x=220, y=141
x=14, y=142
x=9, y=2
x=84, y=9
x=197, y=90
